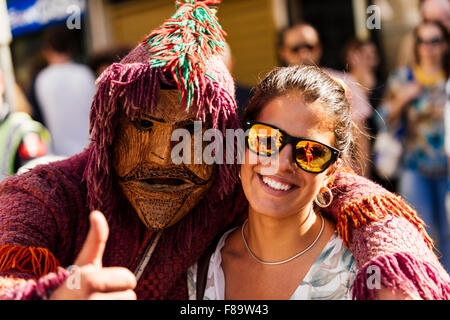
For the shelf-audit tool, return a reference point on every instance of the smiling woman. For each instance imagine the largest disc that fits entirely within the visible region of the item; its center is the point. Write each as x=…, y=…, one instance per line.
x=301, y=130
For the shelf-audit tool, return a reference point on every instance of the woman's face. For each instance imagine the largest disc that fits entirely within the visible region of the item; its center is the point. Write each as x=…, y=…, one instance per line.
x=431, y=45
x=286, y=189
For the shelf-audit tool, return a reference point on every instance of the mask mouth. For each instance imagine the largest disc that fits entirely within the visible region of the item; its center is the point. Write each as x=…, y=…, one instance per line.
x=173, y=177
x=165, y=181
x=165, y=184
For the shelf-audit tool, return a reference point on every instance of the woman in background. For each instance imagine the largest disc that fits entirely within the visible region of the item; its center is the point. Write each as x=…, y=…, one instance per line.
x=414, y=105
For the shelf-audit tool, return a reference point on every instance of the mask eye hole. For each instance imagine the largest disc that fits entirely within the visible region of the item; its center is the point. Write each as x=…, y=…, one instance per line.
x=190, y=127
x=144, y=124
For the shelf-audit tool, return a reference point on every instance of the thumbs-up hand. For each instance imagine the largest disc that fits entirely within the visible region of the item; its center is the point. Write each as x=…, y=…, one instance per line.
x=96, y=282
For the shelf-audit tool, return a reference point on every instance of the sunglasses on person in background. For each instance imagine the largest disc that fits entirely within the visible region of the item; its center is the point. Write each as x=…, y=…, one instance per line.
x=267, y=140
x=433, y=41
x=301, y=46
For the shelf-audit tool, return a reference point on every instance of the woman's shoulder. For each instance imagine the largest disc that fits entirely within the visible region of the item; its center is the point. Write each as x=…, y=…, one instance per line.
x=336, y=253
x=230, y=245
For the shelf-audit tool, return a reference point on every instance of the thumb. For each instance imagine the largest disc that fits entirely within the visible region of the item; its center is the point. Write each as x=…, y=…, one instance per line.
x=94, y=245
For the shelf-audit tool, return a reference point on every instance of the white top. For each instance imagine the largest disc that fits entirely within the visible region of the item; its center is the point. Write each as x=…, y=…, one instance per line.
x=329, y=278
x=65, y=92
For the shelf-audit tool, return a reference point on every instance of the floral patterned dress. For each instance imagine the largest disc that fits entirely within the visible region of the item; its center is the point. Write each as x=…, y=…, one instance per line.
x=422, y=128
x=330, y=276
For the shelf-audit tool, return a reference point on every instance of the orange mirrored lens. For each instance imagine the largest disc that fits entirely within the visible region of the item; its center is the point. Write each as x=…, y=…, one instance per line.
x=264, y=140
x=312, y=156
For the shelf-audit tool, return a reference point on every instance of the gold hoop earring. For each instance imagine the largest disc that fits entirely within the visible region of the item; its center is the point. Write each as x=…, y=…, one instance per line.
x=329, y=201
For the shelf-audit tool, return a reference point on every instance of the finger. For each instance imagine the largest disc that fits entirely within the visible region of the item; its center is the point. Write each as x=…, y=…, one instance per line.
x=108, y=280
x=118, y=295
x=94, y=245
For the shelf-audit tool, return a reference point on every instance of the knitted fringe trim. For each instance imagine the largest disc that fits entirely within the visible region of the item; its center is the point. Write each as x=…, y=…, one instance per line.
x=374, y=208
x=41, y=288
x=10, y=282
x=401, y=272
x=36, y=261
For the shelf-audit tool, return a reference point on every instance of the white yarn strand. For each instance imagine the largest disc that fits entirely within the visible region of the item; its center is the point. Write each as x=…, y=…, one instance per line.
x=147, y=255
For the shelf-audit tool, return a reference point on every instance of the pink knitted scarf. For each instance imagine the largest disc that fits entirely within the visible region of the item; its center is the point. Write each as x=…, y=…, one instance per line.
x=386, y=237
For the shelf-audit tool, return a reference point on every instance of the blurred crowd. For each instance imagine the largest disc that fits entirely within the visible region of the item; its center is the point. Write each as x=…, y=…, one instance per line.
x=403, y=120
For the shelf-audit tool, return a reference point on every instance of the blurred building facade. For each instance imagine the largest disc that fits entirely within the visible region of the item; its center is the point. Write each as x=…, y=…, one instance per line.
x=252, y=27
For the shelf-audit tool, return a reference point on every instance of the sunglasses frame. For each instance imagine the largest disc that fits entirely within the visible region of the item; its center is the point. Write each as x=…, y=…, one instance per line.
x=431, y=42
x=300, y=46
x=335, y=153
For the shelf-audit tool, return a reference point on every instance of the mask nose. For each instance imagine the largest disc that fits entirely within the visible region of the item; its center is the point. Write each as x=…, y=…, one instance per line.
x=161, y=146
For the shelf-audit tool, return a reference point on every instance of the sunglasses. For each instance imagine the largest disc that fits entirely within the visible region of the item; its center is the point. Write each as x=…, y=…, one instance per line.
x=267, y=140
x=301, y=46
x=433, y=41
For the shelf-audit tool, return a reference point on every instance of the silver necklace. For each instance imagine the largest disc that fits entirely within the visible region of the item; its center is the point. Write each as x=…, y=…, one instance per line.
x=287, y=260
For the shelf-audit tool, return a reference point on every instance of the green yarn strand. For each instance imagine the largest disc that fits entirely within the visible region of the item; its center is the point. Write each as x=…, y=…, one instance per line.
x=184, y=43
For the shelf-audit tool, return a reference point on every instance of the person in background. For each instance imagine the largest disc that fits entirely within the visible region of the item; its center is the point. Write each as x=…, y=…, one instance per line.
x=362, y=61
x=300, y=45
x=415, y=103
x=430, y=10
x=243, y=93
x=37, y=66
x=447, y=149
x=102, y=59
x=21, y=138
x=64, y=91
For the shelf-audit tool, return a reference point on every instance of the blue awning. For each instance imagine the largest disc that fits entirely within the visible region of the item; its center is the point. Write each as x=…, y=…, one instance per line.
x=28, y=16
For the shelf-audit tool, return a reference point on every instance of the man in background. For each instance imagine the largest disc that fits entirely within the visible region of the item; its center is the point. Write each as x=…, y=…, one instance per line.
x=242, y=92
x=64, y=90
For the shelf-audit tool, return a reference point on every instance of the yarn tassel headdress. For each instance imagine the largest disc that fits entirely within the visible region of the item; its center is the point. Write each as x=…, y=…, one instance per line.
x=184, y=43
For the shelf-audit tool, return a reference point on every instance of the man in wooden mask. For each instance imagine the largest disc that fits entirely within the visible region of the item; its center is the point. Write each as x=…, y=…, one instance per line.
x=160, y=216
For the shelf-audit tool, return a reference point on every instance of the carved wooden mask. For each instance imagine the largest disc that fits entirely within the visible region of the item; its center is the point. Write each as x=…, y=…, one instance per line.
x=160, y=191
